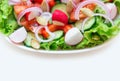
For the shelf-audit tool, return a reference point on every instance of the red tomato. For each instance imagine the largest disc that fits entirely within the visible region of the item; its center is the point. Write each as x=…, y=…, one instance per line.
x=51, y=3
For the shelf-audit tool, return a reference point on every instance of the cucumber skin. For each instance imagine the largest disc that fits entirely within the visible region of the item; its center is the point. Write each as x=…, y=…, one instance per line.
x=89, y=23
x=58, y=34
x=29, y=38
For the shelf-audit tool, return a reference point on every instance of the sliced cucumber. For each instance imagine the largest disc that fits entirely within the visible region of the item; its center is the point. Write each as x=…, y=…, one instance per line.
x=89, y=23
x=61, y=7
x=29, y=38
x=31, y=41
x=58, y=34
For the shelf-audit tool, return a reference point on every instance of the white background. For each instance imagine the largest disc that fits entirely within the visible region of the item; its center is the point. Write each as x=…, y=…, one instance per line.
x=98, y=65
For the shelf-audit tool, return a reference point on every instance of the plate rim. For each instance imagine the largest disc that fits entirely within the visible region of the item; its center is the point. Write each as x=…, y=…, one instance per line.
x=60, y=51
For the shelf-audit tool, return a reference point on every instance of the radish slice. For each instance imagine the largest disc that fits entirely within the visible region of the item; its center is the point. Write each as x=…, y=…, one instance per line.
x=52, y=35
x=35, y=12
x=19, y=35
x=112, y=10
x=59, y=18
x=73, y=36
x=82, y=4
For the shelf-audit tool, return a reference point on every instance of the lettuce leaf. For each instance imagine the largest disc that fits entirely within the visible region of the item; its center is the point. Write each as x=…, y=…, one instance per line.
x=56, y=45
x=117, y=3
x=99, y=35
x=8, y=22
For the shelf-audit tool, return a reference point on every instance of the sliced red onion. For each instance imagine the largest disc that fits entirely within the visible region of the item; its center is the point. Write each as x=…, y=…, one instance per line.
x=112, y=10
x=106, y=17
x=35, y=11
x=52, y=35
x=84, y=3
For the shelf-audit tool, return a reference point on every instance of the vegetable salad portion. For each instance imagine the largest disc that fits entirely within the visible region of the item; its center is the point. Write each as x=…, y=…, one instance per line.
x=59, y=24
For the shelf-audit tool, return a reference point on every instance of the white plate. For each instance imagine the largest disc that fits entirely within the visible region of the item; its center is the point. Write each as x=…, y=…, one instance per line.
x=59, y=51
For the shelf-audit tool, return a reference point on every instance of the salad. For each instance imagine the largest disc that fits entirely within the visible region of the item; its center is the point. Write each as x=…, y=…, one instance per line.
x=59, y=24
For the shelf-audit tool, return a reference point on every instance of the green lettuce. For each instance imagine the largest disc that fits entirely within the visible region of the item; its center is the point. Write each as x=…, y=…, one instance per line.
x=117, y=3
x=99, y=34
x=8, y=22
x=56, y=45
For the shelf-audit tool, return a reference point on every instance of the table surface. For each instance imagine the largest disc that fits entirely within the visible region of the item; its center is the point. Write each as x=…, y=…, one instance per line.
x=99, y=65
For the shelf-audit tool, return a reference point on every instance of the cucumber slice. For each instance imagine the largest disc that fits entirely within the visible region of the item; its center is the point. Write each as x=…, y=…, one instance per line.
x=31, y=41
x=89, y=23
x=61, y=7
x=27, y=41
x=58, y=34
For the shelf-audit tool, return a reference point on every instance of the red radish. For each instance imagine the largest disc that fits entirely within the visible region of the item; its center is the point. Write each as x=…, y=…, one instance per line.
x=73, y=36
x=59, y=18
x=112, y=10
x=37, y=1
x=27, y=16
x=19, y=35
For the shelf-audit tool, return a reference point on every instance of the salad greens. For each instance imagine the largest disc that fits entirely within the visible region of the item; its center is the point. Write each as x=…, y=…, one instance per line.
x=98, y=29
x=8, y=22
x=117, y=3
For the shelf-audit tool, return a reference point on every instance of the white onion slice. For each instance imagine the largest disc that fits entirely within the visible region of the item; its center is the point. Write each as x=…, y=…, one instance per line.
x=82, y=4
x=36, y=11
x=52, y=35
x=106, y=17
